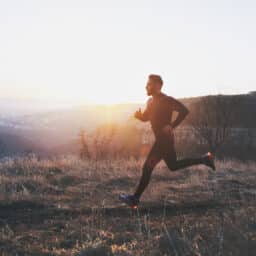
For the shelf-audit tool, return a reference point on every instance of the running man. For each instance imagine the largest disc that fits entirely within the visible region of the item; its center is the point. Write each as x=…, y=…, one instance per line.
x=159, y=111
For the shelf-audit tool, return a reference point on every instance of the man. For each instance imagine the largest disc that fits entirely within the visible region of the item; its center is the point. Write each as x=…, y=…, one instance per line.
x=159, y=111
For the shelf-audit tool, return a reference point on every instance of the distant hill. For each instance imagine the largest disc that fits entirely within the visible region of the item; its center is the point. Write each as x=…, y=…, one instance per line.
x=56, y=131
x=54, y=128
x=11, y=144
x=244, y=109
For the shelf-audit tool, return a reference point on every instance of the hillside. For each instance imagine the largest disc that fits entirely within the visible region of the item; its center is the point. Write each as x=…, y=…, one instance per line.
x=70, y=207
x=55, y=130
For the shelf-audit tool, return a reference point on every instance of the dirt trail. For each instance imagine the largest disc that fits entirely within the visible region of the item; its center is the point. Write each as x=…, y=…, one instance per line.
x=36, y=213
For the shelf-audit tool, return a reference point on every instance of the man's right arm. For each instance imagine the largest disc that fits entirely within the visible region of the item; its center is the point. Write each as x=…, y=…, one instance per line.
x=143, y=116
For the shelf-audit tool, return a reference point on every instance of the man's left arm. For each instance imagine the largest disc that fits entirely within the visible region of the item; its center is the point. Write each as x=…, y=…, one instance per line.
x=180, y=108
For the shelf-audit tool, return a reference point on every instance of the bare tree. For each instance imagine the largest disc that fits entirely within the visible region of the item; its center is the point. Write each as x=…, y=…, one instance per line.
x=84, y=149
x=102, y=139
x=212, y=119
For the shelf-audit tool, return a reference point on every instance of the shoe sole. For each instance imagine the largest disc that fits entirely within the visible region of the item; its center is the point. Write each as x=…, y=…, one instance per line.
x=133, y=206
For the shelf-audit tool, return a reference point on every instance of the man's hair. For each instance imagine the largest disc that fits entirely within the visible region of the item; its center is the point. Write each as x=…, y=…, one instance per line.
x=156, y=78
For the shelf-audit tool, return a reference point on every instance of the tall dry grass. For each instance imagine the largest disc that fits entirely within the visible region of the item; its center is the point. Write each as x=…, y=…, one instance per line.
x=190, y=212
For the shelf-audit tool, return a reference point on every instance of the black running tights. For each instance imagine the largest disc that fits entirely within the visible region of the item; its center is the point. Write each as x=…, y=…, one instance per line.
x=163, y=148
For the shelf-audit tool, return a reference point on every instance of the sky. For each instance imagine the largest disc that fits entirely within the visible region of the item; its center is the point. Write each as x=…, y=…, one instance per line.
x=91, y=51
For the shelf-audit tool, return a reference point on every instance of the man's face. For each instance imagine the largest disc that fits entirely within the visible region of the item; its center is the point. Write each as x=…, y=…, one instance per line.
x=152, y=87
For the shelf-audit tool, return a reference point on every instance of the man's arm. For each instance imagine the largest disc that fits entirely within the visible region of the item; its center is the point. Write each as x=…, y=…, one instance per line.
x=180, y=108
x=143, y=116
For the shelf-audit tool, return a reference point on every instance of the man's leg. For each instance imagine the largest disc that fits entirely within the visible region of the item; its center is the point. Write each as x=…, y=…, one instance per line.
x=170, y=156
x=152, y=160
x=174, y=164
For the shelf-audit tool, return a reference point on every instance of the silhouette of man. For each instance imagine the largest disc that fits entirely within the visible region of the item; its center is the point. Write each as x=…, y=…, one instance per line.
x=159, y=111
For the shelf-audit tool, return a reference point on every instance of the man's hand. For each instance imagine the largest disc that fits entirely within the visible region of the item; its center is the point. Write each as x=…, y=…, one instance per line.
x=138, y=114
x=167, y=129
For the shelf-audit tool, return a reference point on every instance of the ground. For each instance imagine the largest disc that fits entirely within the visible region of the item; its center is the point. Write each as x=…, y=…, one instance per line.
x=67, y=206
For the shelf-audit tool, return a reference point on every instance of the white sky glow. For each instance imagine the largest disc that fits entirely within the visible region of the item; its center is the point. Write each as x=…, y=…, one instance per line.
x=102, y=51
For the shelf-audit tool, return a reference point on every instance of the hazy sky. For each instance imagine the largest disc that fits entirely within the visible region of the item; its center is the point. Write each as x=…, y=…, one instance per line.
x=102, y=51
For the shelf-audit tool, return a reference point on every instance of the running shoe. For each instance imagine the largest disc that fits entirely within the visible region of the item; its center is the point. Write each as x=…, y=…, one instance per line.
x=130, y=200
x=208, y=160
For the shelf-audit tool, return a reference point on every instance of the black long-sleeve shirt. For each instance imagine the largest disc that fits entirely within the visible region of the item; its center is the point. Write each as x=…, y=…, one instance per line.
x=159, y=111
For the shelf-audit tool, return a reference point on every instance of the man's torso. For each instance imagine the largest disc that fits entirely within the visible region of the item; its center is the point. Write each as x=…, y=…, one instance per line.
x=159, y=112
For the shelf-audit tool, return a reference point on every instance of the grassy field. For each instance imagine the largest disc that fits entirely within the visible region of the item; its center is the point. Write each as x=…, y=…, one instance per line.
x=66, y=206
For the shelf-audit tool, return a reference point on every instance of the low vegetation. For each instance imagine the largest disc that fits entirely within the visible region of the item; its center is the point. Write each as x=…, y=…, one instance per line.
x=68, y=206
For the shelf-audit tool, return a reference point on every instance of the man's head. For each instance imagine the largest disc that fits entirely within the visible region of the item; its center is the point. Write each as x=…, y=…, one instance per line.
x=154, y=84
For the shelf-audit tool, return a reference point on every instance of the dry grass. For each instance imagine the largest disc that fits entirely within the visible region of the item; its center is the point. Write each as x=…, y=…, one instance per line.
x=66, y=206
